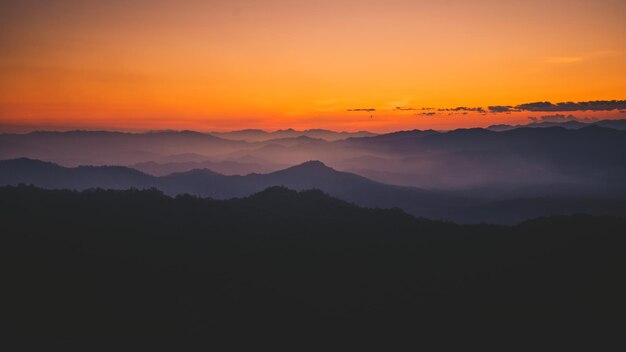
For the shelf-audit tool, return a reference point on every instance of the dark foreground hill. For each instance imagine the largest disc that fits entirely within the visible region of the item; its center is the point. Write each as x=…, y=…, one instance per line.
x=302, y=270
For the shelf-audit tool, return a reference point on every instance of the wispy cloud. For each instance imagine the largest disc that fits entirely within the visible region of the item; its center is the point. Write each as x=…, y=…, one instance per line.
x=362, y=110
x=541, y=106
x=465, y=109
x=502, y=108
x=596, y=105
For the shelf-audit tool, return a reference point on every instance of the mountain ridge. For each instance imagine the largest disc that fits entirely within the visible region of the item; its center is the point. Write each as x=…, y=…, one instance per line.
x=447, y=205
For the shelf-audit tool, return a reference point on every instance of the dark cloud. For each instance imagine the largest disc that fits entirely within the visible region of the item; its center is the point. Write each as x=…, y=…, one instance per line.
x=561, y=118
x=543, y=106
x=363, y=110
x=501, y=108
x=464, y=108
x=597, y=105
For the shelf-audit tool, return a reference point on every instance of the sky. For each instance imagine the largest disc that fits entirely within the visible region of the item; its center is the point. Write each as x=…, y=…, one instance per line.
x=336, y=64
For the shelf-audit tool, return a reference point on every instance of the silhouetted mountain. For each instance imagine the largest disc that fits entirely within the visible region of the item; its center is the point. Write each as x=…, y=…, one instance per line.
x=293, y=141
x=476, y=157
x=470, y=207
x=614, y=124
x=316, y=175
x=137, y=268
x=206, y=183
x=101, y=147
x=255, y=135
x=387, y=141
x=50, y=175
x=593, y=157
x=573, y=124
x=222, y=167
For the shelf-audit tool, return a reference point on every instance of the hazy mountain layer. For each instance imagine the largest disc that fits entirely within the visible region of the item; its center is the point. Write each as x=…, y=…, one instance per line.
x=466, y=207
x=590, y=157
x=261, y=135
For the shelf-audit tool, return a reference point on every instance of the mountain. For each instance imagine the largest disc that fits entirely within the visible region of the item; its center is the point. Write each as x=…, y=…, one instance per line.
x=614, y=124
x=293, y=141
x=473, y=158
x=385, y=142
x=315, y=175
x=138, y=268
x=206, y=183
x=461, y=206
x=53, y=176
x=225, y=167
x=464, y=159
x=573, y=124
x=427, y=173
x=102, y=147
x=255, y=135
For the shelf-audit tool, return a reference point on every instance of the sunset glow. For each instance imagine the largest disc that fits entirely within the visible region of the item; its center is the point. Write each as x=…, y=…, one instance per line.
x=225, y=65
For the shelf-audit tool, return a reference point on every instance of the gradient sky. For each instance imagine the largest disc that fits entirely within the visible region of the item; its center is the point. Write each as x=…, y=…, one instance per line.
x=221, y=65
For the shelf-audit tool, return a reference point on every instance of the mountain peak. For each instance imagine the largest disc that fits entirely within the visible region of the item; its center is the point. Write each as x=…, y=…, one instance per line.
x=313, y=164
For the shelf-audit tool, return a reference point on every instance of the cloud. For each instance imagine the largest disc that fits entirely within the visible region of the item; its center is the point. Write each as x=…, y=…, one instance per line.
x=362, y=110
x=501, y=108
x=541, y=106
x=597, y=105
x=463, y=108
x=561, y=118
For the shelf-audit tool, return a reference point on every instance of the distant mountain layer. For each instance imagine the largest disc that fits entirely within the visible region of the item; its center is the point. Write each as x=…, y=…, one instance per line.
x=573, y=124
x=592, y=156
x=223, y=167
x=456, y=206
x=261, y=135
x=114, y=148
x=471, y=158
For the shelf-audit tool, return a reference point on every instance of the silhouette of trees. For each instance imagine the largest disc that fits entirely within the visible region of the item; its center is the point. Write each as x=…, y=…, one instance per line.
x=137, y=267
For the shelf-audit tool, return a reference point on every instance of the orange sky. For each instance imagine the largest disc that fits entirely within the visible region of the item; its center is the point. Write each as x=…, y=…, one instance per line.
x=220, y=65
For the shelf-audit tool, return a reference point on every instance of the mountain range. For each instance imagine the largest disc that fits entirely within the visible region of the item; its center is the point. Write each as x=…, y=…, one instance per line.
x=591, y=156
x=255, y=135
x=465, y=207
x=572, y=124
